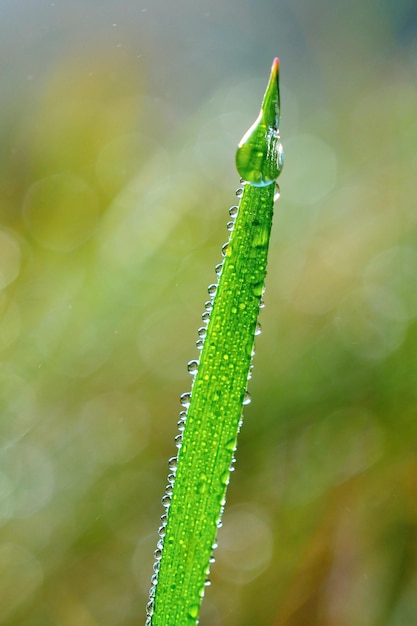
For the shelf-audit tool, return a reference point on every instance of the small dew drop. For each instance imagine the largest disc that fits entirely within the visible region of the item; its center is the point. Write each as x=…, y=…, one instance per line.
x=250, y=371
x=208, y=305
x=213, y=547
x=277, y=192
x=261, y=304
x=202, y=332
x=192, y=367
x=212, y=560
x=231, y=445
x=207, y=582
x=149, y=607
x=166, y=500
x=162, y=531
x=199, y=343
x=233, y=211
x=218, y=269
x=246, y=398
x=154, y=579
x=178, y=440
x=212, y=290
x=185, y=400
x=257, y=289
x=171, y=478
x=239, y=192
x=225, y=478
x=224, y=249
x=193, y=611
x=258, y=329
x=230, y=225
x=173, y=464
x=158, y=554
x=205, y=316
x=156, y=567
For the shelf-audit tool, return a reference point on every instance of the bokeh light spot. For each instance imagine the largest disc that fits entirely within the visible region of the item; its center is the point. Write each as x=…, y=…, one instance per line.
x=246, y=544
x=21, y=574
x=10, y=258
x=61, y=212
x=310, y=169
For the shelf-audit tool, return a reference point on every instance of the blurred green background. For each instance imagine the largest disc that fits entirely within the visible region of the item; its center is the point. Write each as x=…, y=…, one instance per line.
x=119, y=121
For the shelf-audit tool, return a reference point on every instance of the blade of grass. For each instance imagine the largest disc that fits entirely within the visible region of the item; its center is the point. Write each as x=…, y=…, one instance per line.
x=209, y=426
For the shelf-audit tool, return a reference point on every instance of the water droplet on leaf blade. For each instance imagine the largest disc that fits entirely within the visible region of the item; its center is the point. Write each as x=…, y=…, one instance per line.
x=260, y=157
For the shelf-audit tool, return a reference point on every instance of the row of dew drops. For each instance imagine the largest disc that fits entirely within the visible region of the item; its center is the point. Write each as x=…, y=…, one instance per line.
x=185, y=400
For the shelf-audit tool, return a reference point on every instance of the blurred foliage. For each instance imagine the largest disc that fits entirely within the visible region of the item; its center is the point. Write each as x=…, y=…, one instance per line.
x=118, y=129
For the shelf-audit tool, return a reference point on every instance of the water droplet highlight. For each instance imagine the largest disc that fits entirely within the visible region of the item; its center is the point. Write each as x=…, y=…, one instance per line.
x=260, y=157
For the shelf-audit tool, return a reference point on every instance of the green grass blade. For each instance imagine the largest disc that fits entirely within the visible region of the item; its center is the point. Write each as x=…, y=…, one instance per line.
x=196, y=498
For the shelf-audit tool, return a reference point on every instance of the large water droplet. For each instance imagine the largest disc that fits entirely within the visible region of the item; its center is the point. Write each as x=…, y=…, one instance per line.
x=260, y=157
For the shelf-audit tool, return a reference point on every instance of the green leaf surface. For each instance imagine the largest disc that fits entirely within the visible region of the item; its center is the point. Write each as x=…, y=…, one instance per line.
x=195, y=499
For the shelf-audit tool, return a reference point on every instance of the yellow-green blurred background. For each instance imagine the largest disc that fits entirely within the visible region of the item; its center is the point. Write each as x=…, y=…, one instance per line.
x=118, y=123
